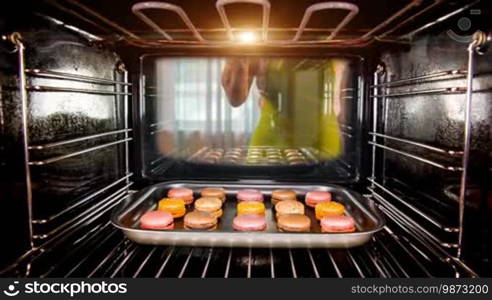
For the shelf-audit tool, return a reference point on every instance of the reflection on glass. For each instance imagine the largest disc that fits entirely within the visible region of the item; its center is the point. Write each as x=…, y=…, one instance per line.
x=249, y=103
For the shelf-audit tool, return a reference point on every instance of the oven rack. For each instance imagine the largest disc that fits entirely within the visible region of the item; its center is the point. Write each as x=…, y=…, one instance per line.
x=108, y=254
x=431, y=218
x=416, y=228
x=447, y=162
x=412, y=10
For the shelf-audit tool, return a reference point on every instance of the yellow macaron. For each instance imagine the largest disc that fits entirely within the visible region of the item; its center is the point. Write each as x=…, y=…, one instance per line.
x=174, y=206
x=250, y=208
x=331, y=208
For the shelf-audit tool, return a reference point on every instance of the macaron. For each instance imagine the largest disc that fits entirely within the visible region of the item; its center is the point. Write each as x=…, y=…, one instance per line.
x=157, y=220
x=174, y=206
x=296, y=159
x=331, y=208
x=337, y=224
x=289, y=207
x=181, y=193
x=249, y=223
x=294, y=223
x=274, y=161
x=214, y=155
x=293, y=154
x=231, y=161
x=211, y=205
x=250, y=208
x=214, y=192
x=200, y=220
x=291, y=150
x=315, y=197
x=208, y=160
x=249, y=195
x=281, y=195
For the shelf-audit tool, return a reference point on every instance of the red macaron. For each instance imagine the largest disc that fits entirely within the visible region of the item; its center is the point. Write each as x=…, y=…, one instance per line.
x=337, y=224
x=249, y=195
x=181, y=193
x=157, y=220
x=315, y=197
x=249, y=223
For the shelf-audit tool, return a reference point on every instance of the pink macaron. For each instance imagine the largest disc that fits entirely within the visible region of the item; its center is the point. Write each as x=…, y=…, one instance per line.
x=337, y=224
x=157, y=220
x=315, y=197
x=249, y=223
x=181, y=193
x=249, y=195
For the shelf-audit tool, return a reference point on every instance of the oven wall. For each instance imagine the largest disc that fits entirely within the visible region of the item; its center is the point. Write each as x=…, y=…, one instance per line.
x=74, y=184
x=437, y=119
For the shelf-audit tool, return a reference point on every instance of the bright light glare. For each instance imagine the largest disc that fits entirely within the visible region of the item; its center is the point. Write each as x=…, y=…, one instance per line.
x=247, y=37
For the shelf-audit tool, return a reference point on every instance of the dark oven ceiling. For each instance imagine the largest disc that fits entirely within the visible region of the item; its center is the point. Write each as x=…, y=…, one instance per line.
x=375, y=19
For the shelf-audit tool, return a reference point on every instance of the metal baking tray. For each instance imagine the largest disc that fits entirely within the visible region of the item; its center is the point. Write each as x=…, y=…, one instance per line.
x=367, y=217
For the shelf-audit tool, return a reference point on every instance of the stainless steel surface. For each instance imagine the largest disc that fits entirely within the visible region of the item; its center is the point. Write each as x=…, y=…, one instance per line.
x=439, y=20
x=386, y=255
x=353, y=10
x=448, y=90
x=83, y=200
x=412, y=80
x=419, y=158
x=220, y=5
x=138, y=7
x=375, y=93
x=422, y=145
x=72, y=77
x=102, y=18
x=417, y=229
x=356, y=40
x=366, y=215
x=80, y=139
x=61, y=157
x=68, y=200
x=126, y=116
x=467, y=136
x=409, y=6
x=109, y=201
x=16, y=39
x=413, y=208
x=411, y=18
x=41, y=88
x=437, y=119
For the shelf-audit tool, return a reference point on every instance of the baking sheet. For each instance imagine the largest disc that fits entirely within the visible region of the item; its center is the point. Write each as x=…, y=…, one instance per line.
x=367, y=217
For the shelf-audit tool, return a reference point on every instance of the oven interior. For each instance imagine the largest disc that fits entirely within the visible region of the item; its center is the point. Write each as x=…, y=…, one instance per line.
x=392, y=100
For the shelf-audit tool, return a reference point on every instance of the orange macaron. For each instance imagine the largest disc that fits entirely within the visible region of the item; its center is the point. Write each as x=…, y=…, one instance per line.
x=250, y=208
x=176, y=207
x=325, y=209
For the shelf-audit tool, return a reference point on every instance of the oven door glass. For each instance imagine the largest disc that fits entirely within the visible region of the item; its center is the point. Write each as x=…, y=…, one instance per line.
x=295, y=118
